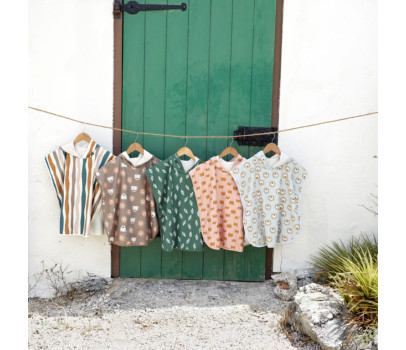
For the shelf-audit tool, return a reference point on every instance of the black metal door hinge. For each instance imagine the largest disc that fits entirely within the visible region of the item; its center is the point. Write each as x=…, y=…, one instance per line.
x=133, y=7
x=259, y=140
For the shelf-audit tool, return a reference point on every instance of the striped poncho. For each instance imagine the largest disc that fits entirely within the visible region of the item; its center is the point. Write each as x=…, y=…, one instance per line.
x=74, y=178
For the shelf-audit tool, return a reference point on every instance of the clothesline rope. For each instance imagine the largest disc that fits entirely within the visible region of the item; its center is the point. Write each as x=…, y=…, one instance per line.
x=203, y=137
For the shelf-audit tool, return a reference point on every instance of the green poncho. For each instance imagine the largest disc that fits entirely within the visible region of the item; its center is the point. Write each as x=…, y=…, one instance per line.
x=176, y=204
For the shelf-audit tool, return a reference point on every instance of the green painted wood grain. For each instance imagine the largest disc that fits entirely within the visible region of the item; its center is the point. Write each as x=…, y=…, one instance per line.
x=219, y=75
x=172, y=264
x=175, y=108
x=133, y=113
x=260, y=103
x=240, y=103
x=197, y=74
x=176, y=79
x=218, y=105
x=254, y=263
x=262, y=64
x=154, y=111
x=241, y=67
x=133, y=76
x=130, y=264
x=151, y=259
x=154, y=83
x=196, y=102
x=234, y=266
x=192, y=265
x=213, y=264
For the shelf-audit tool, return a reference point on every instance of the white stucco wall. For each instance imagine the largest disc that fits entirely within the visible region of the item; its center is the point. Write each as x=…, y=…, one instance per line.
x=70, y=73
x=329, y=70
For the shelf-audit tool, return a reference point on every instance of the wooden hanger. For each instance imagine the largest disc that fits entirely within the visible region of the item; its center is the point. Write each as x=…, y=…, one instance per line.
x=135, y=146
x=272, y=147
x=229, y=150
x=185, y=151
x=82, y=137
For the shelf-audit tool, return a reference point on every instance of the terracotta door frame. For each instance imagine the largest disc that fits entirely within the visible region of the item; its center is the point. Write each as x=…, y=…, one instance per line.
x=117, y=110
x=275, y=102
x=117, y=115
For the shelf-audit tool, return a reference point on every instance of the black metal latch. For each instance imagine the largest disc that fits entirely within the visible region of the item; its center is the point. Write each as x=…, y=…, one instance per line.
x=133, y=7
x=260, y=140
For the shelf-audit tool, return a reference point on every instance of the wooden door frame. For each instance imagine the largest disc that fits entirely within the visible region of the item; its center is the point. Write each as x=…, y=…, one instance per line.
x=117, y=115
x=117, y=110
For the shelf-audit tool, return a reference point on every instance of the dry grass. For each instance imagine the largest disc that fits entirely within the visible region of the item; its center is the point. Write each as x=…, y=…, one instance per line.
x=283, y=326
x=283, y=323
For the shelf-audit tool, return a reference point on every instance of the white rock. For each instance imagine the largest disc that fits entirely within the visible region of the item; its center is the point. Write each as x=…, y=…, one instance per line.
x=315, y=308
x=289, y=279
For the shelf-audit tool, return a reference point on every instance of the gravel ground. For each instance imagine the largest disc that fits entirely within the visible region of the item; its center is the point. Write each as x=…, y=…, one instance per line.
x=162, y=314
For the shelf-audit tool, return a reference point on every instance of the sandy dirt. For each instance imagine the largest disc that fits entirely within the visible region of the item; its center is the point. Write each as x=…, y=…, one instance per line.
x=162, y=314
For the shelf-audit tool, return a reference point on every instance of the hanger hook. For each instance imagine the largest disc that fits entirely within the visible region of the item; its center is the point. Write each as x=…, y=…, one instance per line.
x=232, y=141
x=136, y=137
x=83, y=127
x=273, y=137
x=186, y=140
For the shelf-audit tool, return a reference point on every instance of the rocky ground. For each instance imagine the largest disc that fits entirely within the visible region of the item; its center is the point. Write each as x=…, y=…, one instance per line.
x=163, y=314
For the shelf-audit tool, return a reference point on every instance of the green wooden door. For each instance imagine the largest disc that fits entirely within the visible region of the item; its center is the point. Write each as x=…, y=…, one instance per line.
x=204, y=71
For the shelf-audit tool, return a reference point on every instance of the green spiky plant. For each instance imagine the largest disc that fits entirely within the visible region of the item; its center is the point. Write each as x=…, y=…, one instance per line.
x=328, y=260
x=352, y=270
x=358, y=286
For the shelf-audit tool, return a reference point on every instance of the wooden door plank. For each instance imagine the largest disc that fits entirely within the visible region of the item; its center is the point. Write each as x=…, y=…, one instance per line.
x=175, y=108
x=218, y=105
x=262, y=64
x=133, y=76
x=197, y=74
x=132, y=112
x=192, y=265
x=154, y=83
x=172, y=264
x=240, y=92
x=261, y=102
x=219, y=75
x=196, y=103
x=151, y=259
x=255, y=263
x=213, y=264
x=154, y=112
x=234, y=268
x=130, y=264
x=176, y=79
x=240, y=70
